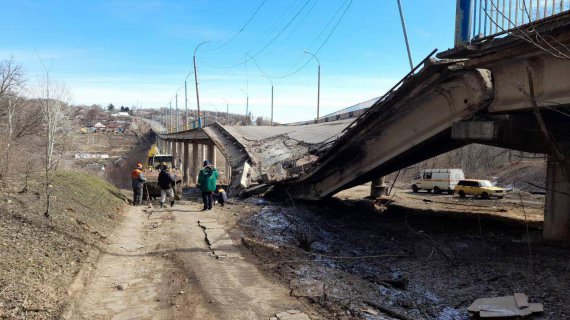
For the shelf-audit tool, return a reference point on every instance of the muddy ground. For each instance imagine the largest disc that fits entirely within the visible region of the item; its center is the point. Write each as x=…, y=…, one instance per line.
x=416, y=262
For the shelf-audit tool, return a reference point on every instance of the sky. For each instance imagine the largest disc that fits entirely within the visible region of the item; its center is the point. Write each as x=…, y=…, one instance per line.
x=139, y=53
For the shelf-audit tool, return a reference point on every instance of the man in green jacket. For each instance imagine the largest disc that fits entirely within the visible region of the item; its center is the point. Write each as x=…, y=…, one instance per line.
x=207, y=183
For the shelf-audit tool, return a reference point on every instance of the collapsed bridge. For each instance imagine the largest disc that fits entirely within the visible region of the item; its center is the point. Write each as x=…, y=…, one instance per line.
x=506, y=92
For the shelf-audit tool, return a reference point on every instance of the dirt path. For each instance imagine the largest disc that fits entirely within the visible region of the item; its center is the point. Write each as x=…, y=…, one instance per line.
x=162, y=268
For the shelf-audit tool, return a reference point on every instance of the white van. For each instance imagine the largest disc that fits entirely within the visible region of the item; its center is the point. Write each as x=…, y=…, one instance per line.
x=438, y=180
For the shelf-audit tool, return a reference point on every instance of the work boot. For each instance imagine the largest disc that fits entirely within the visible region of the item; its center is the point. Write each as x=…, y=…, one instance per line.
x=162, y=204
x=172, y=203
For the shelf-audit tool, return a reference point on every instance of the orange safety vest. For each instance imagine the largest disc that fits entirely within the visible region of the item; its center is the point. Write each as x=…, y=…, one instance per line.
x=136, y=173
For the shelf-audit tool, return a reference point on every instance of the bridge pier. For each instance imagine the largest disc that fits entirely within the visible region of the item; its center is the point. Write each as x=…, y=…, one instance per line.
x=557, y=204
x=168, y=147
x=174, y=154
x=186, y=164
x=211, y=150
x=195, y=162
x=378, y=188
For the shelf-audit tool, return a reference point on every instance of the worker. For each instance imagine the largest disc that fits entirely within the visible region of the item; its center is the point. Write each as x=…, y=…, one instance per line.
x=138, y=181
x=207, y=183
x=167, y=182
x=221, y=196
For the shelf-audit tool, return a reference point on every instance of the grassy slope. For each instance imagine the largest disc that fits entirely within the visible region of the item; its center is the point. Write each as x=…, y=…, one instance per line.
x=40, y=256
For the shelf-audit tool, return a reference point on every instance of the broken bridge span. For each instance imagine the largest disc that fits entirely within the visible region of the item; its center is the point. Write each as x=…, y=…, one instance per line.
x=504, y=92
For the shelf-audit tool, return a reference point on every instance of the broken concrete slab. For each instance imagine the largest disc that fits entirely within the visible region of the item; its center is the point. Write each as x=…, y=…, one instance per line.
x=521, y=299
x=244, y=180
x=505, y=307
x=206, y=221
x=291, y=315
x=307, y=288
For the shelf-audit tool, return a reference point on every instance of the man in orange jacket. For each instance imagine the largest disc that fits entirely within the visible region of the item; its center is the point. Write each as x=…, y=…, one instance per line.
x=138, y=181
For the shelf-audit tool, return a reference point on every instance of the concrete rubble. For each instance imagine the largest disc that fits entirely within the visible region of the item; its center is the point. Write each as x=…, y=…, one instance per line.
x=290, y=315
x=513, y=306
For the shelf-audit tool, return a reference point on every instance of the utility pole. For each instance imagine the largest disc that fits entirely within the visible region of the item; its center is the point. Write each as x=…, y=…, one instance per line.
x=246, y=106
x=405, y=34
x=186, y=105
x=170, y=116
x=227, y=111
x=196, y=81
x=318, y=83
x=177, y=129
x=271, y=81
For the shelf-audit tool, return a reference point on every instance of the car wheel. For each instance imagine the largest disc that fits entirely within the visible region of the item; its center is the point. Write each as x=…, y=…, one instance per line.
x=415, y=188
x=485, y=195
x=436, y=190
x=461, y=194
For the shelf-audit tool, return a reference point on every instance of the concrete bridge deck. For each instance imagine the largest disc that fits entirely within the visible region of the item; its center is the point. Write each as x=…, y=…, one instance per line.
x=508, y=95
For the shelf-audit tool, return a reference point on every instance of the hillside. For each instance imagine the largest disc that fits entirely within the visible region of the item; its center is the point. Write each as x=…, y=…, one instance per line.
x=41, y=256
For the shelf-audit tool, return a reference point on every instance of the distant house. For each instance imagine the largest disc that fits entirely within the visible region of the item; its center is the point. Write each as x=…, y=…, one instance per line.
x=121, y=115
x=99, y=126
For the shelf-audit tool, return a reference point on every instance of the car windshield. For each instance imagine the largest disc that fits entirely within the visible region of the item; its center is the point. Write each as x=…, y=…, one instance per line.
x=485, y=183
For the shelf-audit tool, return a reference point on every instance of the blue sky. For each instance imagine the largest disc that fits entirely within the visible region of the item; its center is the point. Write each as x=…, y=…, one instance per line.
x=128, y=52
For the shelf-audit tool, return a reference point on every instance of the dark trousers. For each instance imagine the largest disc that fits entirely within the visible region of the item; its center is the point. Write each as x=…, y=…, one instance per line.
x=207, y=197
x=137, y=195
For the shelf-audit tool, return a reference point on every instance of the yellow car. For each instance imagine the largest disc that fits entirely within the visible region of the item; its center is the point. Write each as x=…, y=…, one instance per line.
x=476, y=188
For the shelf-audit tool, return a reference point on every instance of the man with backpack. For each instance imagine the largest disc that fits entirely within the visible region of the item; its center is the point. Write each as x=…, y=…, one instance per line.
x=207, y=180
x=167, y=182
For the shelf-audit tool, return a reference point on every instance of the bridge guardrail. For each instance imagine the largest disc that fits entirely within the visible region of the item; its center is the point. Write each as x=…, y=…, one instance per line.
x=478, y=20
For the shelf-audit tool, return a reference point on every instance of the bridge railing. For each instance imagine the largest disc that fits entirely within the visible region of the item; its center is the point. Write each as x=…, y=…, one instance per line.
x=477, y=20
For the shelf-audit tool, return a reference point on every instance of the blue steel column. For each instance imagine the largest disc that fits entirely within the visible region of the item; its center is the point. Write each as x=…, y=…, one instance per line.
x=463, y=17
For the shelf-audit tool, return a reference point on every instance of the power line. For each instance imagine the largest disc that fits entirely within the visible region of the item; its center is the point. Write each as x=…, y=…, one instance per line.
x=242, y=28
x=316, y=51
x=237, y=64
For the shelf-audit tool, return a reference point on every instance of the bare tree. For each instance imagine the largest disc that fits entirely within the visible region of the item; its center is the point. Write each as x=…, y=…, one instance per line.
x=11, y=77
x=53, y=100
x=11, y=85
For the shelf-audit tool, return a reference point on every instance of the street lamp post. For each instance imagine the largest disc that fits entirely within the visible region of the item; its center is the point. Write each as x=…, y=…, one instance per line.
x=271, y=81
x=319, y=83
x=196, y=81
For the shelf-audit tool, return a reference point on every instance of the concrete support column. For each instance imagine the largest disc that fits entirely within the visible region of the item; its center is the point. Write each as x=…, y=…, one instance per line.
x=228, y=171
x=174, y=154
x=211, y=154
x=179, y=161
x=195, y=163
x=378, y=188
x=557, y=205
x=186, y=165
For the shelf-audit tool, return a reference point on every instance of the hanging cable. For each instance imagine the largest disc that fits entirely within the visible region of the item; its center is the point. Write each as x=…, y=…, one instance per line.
x=240, y=30
x=316, y=51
